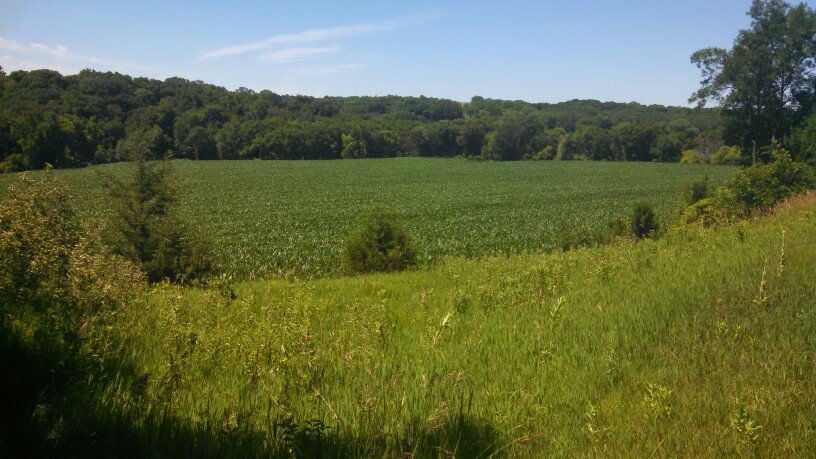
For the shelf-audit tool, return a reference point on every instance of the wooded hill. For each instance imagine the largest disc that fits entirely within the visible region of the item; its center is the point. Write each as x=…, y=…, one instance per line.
x=97, y=117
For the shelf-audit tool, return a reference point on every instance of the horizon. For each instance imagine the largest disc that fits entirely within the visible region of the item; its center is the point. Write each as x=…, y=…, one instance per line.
x=619, y=52
x=532, y=102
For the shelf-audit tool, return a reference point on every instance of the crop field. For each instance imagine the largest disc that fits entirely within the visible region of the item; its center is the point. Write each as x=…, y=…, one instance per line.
x=697, y=344
x=268, y=219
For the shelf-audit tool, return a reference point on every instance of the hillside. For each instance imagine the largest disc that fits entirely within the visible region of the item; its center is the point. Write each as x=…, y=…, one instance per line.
x=699, y=343
x=95, y=117
x=193, y=271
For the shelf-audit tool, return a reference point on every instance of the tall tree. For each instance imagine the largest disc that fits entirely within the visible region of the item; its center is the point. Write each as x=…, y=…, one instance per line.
x=765, y=82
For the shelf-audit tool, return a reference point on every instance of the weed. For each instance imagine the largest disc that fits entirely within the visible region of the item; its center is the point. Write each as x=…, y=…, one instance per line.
x=657, y=401
x=745, y=427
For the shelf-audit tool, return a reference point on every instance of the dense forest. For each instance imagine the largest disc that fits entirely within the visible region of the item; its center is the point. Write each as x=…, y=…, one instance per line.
x=95, y=117
x=763, y=89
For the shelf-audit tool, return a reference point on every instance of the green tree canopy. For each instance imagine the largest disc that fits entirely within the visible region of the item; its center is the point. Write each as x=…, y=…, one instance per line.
x=765, y=82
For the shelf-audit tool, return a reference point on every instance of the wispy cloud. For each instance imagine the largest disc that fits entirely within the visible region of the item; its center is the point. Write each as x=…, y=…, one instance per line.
x=29, y=56
x=315, y=35
x=11, y=63
x=296, y=54
x=34, y=48
x=326, y=70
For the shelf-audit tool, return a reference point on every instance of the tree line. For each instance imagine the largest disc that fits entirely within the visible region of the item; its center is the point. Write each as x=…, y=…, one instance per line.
x=97, y=117
x=764, y=88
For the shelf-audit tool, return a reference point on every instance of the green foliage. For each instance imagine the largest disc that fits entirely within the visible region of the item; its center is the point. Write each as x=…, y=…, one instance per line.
x=749, y=190
x=354, y=147
x=696, y=191
x=731, y=156
x=761, y=186
x=147, y=143
x=94, y=117
x=268, y=219
x=14, y=162
x=644, y=220
x=39, y=231
x=566, y=149
x=693, y=157
x=49, y=260
x=617, y=228
x=512, y=137
x=570, y=238
x=705, y=212
x=461, y=359
x=149, y=232
x=545, y=154
x=764, y=82
x=381, y=245
x=657, y=402
x=699, y=206
x=802, y=141
x=745, y=427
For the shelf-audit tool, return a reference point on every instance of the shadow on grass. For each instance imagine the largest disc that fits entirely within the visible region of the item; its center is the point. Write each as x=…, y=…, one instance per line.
x=55, y=403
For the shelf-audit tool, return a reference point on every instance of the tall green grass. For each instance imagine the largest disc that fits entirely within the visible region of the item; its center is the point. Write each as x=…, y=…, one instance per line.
x=281, y=218
x=700, y=343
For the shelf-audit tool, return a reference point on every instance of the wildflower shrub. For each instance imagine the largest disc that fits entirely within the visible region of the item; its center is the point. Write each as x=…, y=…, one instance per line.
x=381, y=245
x=149, y=232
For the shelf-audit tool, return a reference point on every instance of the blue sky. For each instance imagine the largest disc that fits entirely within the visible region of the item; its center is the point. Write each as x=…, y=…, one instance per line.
x=539, y=51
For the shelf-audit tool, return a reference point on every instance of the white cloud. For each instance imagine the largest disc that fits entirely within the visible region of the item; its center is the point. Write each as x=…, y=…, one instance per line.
x=11, y=63
x=314, y=35
x=37, y=56
x=294, y=54
x=59, y=52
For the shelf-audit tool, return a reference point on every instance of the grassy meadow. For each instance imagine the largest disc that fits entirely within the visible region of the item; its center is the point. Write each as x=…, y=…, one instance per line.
x=701, y=343
x=276, y=218
x=191, y=271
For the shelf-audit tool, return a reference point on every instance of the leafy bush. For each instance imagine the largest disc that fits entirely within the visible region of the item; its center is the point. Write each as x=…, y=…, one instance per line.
x=13, y=163
x=696, y=191
x=48, y=260
x=149, y=233
x=693, y=157
x=729, y=155
x=764, y=185
x=752, y=188
x=705, y=212
x=37, y=233
x=644, y=221
x=381, y=245
x=547, y=153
